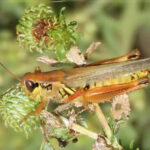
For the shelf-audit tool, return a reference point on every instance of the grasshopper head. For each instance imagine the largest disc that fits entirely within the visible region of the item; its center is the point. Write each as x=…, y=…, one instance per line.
x=32, y=89
x=31, y=82
x=31, y=85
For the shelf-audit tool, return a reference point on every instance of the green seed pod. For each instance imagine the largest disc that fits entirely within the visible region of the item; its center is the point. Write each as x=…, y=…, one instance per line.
x=15, y=106
x=41, y=30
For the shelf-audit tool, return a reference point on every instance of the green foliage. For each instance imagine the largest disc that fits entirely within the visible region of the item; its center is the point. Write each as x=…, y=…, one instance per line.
x=14, y=107
x=120, y=25
x=41, y=30
x=60, y=133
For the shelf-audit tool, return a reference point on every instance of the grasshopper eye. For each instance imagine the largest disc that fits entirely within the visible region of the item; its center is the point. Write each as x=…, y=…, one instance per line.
x=30, y=85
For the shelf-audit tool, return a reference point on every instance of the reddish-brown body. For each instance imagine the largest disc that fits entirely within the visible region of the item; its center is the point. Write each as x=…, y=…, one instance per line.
x=51, y=76
x=96, y=82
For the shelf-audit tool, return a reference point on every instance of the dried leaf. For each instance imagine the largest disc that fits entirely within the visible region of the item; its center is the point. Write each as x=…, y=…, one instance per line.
x=63, y=107
x=72, y=118
x=91, y=49
x=51, y=120
x=100, y=144
x=78, y=104
x=91, y=107
x=120, y=107
x=47, y=60
x=74, y=55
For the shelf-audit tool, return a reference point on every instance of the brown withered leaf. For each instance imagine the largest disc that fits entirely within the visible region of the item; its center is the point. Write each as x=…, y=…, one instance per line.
x=91, y=49
x=100, y=144
x=51, y=120
x=62, y=107
x=78, y=104
x=72, y=117
x=47, y=60
x=40, y=29
x=74, y=55
x=120, y=107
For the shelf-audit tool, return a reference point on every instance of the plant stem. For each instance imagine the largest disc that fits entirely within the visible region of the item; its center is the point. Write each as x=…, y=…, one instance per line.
x=79, y=128
x=103, y=120
x=106, y=127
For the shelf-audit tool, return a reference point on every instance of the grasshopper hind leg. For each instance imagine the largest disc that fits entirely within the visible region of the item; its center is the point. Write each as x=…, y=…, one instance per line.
x=102, y=94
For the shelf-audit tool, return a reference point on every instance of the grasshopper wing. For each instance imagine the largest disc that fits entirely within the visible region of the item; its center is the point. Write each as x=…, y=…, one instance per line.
x=79, y=77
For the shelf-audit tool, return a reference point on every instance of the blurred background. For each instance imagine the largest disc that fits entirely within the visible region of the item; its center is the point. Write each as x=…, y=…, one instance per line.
x=120, y=25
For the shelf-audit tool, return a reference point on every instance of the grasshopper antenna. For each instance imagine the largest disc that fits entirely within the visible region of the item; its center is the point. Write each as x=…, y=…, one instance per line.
x=19, y=79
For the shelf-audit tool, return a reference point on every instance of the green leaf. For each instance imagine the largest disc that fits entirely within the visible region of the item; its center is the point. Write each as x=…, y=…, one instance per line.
x=60, y=52
x=62, y=133
x=62, y=17
x=131, y=146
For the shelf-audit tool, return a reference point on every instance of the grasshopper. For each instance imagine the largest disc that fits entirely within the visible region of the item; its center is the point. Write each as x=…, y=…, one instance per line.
x=96, y=82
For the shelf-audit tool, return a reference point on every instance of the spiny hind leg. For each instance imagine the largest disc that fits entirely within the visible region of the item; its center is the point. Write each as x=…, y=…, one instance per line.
x=133, y=55
x=102, y=94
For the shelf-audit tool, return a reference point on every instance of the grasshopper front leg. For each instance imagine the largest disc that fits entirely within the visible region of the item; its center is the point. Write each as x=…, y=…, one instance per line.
x=37, y=111
x=47, y=96
x=39, y=108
